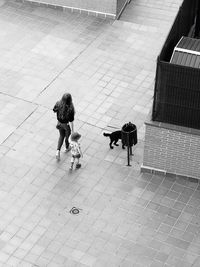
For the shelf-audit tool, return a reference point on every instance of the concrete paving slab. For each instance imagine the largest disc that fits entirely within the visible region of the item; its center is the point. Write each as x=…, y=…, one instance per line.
x=126, y=218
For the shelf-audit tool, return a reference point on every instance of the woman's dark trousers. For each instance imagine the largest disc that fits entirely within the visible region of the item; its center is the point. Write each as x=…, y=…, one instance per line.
x=64, y=135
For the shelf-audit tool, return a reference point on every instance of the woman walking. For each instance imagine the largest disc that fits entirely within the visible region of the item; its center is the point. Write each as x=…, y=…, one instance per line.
x=65, y=116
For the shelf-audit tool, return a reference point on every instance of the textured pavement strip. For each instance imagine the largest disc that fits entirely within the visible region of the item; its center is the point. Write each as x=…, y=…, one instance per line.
x=126, y=218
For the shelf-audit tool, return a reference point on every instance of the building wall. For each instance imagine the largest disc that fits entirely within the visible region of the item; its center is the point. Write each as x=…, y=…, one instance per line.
x=120, y=5
x=172, y=150
x=104, y=6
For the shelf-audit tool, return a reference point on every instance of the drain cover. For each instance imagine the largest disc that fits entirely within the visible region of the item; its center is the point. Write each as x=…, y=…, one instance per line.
x=75, y=210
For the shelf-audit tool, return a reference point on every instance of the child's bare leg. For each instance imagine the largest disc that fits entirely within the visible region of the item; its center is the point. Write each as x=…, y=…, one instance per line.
x=78, y=165
x=72, y=163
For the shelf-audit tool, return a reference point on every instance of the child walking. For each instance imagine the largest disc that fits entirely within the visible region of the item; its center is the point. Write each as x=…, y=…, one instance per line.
x=76, y=152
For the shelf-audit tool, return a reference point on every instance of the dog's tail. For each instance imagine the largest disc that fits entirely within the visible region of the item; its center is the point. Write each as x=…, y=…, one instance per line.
x=106, y=134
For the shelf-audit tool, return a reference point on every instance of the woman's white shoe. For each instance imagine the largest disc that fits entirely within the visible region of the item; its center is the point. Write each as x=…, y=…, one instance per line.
x=58, y=154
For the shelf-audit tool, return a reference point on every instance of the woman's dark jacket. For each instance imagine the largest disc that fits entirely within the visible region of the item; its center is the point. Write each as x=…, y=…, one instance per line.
x=68, y=116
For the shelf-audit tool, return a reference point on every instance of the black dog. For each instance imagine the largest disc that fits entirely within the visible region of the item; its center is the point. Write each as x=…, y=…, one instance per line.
x=114, y=138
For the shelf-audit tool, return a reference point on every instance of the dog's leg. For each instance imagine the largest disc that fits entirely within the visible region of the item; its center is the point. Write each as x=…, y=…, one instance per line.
x=115, y=143
x=111, y=145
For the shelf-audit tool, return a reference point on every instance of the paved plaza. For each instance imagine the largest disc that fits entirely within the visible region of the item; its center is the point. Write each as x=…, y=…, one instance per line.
x=126, y=218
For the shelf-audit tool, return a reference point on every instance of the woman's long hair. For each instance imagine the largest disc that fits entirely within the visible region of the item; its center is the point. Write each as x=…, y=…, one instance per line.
x=66, y=106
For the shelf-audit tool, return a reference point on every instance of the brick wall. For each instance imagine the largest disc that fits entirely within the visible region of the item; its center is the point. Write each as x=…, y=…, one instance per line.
x=172, y=149
x=107, y=7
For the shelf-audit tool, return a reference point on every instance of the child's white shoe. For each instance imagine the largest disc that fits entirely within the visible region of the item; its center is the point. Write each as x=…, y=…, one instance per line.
x=71, y=167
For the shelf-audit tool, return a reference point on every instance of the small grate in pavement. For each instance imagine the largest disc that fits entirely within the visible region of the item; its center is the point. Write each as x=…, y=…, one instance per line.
x=74, y=210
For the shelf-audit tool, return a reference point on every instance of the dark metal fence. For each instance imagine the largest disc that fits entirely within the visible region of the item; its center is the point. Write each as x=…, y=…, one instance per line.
x=177, y=99
x=177, y=88
x=182, y=25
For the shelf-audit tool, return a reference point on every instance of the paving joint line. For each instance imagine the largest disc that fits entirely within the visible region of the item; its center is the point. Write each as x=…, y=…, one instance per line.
x=39, y=105
x=29, y=115
x=70, y=63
